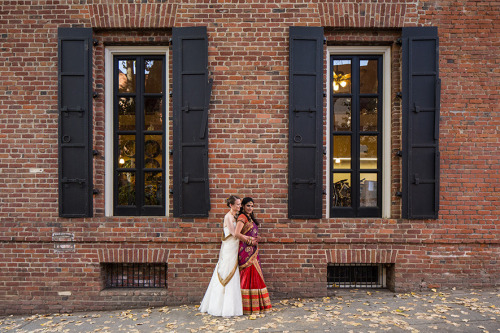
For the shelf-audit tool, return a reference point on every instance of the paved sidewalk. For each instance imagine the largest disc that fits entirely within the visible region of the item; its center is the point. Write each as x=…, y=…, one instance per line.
x=348, y=311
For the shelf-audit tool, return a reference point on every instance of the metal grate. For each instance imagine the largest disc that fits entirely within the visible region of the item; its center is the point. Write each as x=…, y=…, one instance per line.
x=356, y=276
x=135, y=275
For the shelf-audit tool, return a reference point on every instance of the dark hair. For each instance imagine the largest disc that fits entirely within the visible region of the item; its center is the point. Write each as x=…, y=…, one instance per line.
x=242, y=209
x=231, y=200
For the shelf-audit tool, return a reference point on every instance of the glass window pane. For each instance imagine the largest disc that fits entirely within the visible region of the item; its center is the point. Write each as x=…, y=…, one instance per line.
x=153, y=82
x=368, y=81
x=126, y=188
x=368, y=190
x=153, y=188
x=368, y=119
x=126, y=156
x=126, y=76
x=341, y=114
x=153, y=151
x=341, y=196
x=153, y=114
x=368, y=151
x=341, y=152
x=341, y=81
x=126, y=114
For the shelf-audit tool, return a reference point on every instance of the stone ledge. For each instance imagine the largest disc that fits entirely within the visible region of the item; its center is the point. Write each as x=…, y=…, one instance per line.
x=134, y=292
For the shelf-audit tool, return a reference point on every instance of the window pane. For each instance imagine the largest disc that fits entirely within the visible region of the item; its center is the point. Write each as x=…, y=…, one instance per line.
x=368, y=114
x=153, y=188
x=341, y=152
x=341, y=114
x=153, y=76
x=126, y=158
x=126, y=114
x=153, y=151
x=368, y=190
x=341, y=82
x=126, y=188
x=341, y=196
x=368, y=151
x=126, y=76
x=153, y=114
x=368, y=81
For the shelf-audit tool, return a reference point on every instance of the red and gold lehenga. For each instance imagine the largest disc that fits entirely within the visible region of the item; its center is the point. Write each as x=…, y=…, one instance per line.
x=253, y=288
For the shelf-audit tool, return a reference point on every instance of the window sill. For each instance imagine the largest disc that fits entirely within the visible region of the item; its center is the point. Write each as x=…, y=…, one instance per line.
x=133, y=292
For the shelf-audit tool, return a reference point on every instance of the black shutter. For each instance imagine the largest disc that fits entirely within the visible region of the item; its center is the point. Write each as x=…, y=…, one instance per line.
x=421, y=98
x=75, y=122
x=305, y=152
x=191, y=97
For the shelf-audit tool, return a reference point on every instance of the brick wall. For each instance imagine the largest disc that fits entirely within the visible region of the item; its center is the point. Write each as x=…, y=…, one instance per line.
x=53, y=264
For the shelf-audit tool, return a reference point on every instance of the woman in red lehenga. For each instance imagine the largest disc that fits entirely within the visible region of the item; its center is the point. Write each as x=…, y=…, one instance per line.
x=253, y=288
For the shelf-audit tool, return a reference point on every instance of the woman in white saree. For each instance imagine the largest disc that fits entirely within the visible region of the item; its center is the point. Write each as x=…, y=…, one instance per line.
x=223, y=295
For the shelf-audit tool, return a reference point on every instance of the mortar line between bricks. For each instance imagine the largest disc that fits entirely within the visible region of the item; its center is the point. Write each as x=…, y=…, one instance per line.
x=482, y=242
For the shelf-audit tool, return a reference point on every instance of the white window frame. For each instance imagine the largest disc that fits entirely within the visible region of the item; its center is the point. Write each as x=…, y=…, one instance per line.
x=385, y=51
x=110, y=52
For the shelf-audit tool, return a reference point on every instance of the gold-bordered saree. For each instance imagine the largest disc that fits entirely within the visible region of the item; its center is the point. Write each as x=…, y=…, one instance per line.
x=253, y=288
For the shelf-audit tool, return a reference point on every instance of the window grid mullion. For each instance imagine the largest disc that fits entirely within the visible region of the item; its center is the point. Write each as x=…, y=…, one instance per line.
x=356, y=139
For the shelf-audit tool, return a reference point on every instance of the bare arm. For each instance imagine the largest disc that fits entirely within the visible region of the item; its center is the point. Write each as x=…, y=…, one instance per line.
x=228, y=222
x=240, y=236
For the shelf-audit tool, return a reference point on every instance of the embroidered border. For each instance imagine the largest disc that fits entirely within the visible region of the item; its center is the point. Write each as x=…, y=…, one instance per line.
x=225, y=281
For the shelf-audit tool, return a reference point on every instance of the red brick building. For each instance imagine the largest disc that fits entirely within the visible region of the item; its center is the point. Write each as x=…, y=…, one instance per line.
x=365, y=131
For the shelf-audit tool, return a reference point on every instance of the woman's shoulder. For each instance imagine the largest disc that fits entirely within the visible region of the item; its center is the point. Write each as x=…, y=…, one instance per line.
x=229, y=217
x=243, y=218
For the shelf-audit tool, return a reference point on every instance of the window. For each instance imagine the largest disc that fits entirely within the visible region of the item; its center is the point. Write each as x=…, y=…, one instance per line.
x=358, y=118
x=357, y=276
x=139, y=135
x=136, y=132
x=134, y=275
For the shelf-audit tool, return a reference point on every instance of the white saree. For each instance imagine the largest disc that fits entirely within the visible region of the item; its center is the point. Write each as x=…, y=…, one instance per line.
x=223, y=295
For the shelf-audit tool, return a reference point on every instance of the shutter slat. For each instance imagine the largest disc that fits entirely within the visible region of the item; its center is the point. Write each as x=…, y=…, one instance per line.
x=421, y=108
x=75, y=122
x=191, y=98
x=305, y=154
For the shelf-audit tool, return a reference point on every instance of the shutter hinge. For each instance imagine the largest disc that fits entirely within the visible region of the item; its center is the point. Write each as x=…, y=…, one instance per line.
x=324, y=93
x=324, y=40
x=399, y=94
x=416, y=108
x=171, y=151
x=95, y=94
x=95, y=42
x=170, y=93
x=399, y=194
x=171, y=191
x=324, y=192
x=399, y=41
x=170, y=41
x=399, y=153
x=95, y=191
x=324, y=150
x=80, y=181
x=95, y=152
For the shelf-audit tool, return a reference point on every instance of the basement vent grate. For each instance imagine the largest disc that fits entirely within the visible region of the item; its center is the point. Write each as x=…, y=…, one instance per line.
x=134, y=275
x=356, y=276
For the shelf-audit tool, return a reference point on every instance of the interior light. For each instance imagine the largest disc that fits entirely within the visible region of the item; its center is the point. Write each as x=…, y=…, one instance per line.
x=121, y=161
x=337, y=160
x=335, y=86
x=343, y=84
